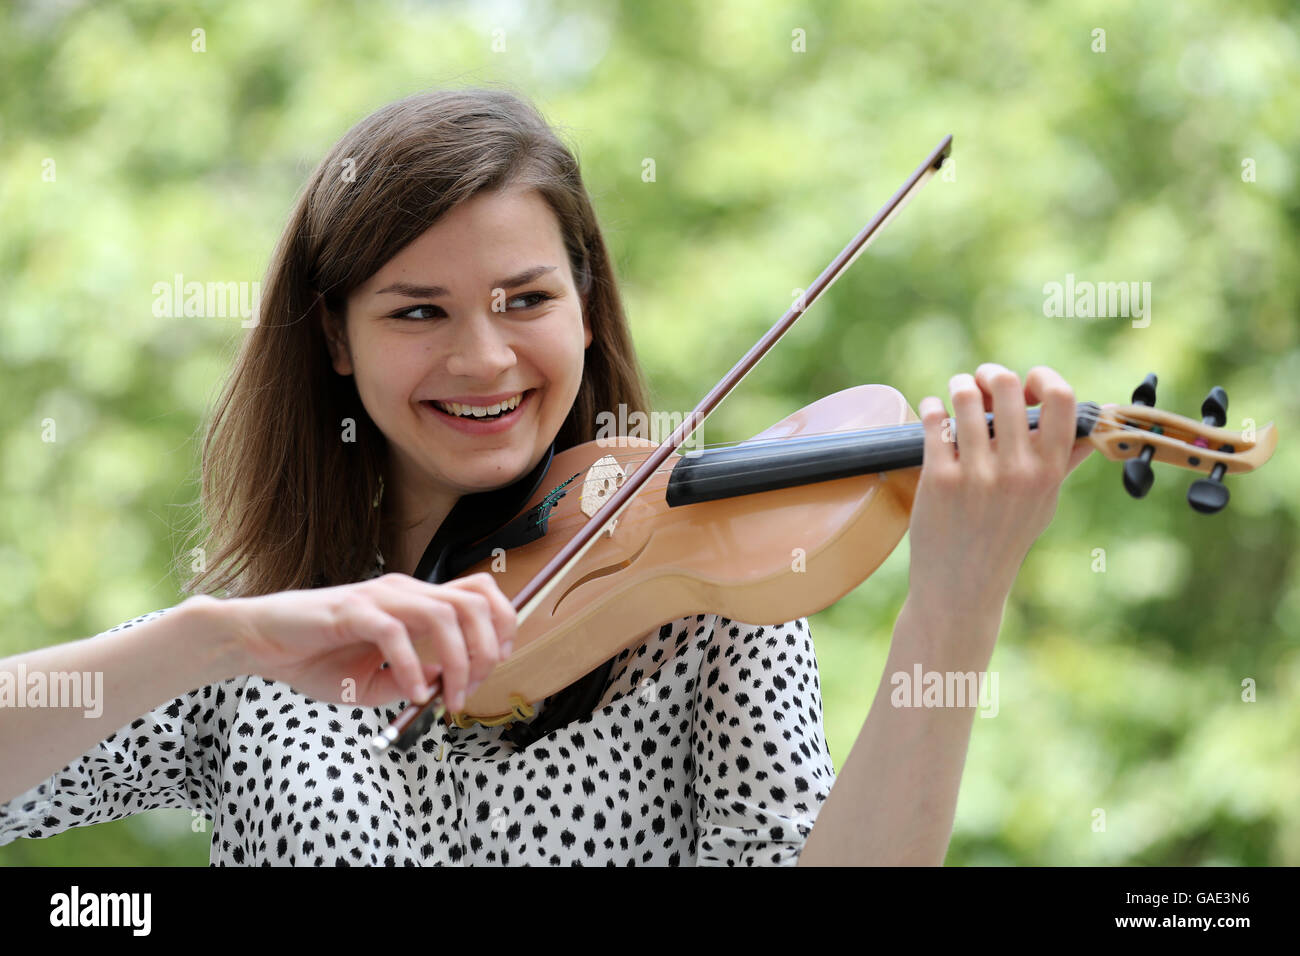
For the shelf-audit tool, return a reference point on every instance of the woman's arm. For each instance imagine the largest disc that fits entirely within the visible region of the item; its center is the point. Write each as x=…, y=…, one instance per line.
x=75, y=766
x=980, y=504
x=895, y=797
x=317, y=640
x=142, y=665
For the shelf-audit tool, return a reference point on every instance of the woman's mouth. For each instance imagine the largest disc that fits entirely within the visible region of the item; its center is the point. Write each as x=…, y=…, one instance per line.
x=481, y=419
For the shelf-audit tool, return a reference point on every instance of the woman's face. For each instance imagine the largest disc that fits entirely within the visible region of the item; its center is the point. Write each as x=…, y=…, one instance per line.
x=479, y=310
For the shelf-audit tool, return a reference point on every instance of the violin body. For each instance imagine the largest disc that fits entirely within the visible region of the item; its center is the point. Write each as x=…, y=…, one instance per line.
x=763, y=558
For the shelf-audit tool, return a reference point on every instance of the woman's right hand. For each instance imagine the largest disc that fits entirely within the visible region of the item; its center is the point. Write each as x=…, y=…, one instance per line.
x=315, y=640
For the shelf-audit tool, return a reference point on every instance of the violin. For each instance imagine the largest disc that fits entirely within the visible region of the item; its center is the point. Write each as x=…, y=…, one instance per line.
x=615, y=537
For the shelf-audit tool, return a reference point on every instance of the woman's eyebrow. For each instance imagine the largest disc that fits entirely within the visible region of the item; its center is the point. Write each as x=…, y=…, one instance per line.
x=412, y=291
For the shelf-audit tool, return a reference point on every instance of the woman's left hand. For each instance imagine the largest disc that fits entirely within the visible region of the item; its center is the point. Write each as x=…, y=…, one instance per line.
x=981, y=503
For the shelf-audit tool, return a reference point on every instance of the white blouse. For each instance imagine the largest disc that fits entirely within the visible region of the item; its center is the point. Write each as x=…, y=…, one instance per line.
x=707, y=748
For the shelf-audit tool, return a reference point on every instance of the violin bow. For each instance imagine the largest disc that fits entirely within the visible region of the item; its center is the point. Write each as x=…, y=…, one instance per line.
x=416, y=718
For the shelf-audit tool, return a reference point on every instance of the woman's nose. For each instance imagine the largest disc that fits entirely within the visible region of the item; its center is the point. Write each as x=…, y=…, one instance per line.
x=480, y=347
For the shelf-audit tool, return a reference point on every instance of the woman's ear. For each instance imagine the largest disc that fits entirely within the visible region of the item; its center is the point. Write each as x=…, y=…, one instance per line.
x=336, y=338
x=586, y=326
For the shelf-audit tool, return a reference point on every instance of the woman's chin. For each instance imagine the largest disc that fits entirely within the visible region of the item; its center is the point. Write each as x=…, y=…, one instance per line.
x=494, y=471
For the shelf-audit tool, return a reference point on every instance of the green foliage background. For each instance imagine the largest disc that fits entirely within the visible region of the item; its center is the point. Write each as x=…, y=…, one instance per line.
x=1119, y=691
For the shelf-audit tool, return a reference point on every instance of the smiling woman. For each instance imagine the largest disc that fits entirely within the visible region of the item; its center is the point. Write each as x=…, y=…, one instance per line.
x=465, y=342
x=445, y=250
x=440, y=315
x=455, y=269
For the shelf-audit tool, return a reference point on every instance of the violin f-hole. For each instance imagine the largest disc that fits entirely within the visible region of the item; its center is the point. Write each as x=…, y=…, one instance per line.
x=599, y=573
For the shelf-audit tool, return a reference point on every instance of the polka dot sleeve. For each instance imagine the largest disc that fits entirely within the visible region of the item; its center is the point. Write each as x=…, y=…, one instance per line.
x=763, y=769
x=169, y=757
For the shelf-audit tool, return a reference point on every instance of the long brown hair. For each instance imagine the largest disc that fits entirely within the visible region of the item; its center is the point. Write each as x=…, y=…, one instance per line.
x=288, y=489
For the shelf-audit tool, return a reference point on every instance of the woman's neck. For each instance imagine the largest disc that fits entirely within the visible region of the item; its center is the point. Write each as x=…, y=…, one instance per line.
x=404, y=539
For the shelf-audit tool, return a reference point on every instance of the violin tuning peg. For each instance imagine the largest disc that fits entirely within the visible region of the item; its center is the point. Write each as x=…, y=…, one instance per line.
x=1145, y=394
x=1137, y=473
x=1214, y=410
x=1209, y=495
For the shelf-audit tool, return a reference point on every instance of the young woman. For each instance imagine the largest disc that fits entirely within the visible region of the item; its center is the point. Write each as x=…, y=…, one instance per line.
x=439, y=313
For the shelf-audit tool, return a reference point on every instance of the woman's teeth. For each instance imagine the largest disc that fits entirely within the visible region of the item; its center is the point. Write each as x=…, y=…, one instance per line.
x=480, y=411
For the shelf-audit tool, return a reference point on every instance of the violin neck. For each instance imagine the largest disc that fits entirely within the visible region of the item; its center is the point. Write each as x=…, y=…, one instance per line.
x=768, y=464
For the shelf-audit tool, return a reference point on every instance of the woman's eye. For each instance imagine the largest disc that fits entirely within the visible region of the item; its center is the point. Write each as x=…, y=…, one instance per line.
x=539, y=296
x=419, y=308
x=530, y=300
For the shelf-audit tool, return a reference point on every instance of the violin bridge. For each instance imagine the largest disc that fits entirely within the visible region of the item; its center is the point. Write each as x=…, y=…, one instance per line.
x=603, y=479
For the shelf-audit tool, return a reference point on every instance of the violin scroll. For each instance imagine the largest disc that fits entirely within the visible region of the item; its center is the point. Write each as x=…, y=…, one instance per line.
x=1140, y=433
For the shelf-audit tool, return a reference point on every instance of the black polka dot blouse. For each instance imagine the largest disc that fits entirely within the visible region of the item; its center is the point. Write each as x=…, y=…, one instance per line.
x=707, y=748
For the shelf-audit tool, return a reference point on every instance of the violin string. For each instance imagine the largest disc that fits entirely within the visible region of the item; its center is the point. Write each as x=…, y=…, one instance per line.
x=641, y=454
x=1085, y=414
x=732, y=464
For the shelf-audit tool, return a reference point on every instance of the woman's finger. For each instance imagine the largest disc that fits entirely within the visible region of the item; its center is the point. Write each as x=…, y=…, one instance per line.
x=1057, y=419
x=475, y=616
x=478, y=606
x=1006, y=400
x=938, y=454
x=364, y=621
x=504, y=617
x=433, y=625
x=452, y=626
x=972, y=427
